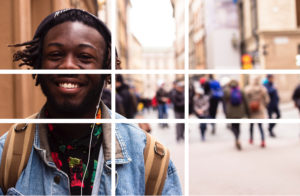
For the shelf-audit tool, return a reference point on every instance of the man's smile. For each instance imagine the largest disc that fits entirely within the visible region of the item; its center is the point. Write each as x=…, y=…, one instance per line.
x=69, y=85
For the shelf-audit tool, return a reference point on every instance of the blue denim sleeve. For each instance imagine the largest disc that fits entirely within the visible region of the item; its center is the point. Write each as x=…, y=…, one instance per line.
x=172, y=184
x=2, y=141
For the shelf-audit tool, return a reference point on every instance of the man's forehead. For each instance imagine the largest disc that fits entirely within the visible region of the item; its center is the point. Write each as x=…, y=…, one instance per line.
x=74, y=29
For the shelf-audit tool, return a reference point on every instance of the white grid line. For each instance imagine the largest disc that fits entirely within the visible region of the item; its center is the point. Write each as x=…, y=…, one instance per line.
x=150, y=71
x=151, y=121
x=186, y=96
x=113, y=94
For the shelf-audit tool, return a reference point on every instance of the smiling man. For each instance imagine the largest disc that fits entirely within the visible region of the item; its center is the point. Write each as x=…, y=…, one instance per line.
x=75, y=159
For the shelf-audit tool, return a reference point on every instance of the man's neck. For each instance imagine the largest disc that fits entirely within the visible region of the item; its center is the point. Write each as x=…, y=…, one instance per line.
x=71, y=131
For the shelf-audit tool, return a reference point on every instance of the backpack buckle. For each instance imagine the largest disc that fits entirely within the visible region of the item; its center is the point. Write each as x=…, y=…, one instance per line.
x=21, y=127
x=159, y=150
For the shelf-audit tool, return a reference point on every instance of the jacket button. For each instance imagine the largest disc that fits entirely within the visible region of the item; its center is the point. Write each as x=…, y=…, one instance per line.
x=57, y=179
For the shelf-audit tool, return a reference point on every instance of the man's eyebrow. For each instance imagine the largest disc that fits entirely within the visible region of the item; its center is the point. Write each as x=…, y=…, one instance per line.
x=55, y=44
x=80, y=45
x=87, y=46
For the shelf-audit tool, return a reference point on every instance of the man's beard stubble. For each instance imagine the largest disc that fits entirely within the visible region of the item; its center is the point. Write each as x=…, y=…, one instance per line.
x=67, y=108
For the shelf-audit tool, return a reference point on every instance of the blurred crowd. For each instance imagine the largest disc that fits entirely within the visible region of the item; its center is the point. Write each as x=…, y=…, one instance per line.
x=257, y=100
x=130, y=104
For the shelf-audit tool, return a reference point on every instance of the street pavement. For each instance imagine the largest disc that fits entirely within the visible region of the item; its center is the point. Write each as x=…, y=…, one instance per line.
x=216, y=167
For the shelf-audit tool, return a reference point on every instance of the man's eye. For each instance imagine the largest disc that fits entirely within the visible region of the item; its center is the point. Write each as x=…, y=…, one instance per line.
x=85, y=56
x=55, y=55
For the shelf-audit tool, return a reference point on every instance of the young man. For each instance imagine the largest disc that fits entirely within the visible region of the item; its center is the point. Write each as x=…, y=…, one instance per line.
x=75, y=158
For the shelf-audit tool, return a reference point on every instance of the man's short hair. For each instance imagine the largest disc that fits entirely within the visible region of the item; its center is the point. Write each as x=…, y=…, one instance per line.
x=32, y=54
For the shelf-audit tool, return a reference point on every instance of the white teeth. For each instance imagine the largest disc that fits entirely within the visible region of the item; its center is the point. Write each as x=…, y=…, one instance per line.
x=68, y=85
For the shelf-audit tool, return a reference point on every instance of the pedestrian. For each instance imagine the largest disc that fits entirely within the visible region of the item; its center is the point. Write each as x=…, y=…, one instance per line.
x=216, y=96
x=273, y=106
x=177, y=98
x=129, y=99
x=106, y=98
x=201, y=109
x=257, y=99
x=205, y=85
x=296, y=97
x=74, y=159
x=191, y=95
x=236, y=107
x=162, y=98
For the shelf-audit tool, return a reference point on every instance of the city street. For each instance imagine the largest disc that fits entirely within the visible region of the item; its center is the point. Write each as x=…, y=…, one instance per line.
x=216, y=167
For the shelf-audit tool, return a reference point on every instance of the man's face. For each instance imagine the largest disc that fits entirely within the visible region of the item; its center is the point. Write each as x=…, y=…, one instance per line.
x=72, y=45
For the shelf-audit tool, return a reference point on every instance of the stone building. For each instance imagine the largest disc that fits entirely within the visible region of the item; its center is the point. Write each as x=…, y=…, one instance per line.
x=157, y=58
x=178, y=13
x=135, y=62
x=197, y=54
x=270, y=34
x=122, y=31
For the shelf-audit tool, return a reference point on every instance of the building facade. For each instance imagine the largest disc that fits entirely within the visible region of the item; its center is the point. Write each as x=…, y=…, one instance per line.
x=213, y=35
x=179, y=44
x=157, y=58
x=122, y=31
x=222, y=34
x=135, y=62
x=197, y=54
x=270, y=34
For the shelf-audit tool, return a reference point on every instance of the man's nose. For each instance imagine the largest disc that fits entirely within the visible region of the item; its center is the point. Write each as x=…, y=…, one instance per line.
x=69, y=63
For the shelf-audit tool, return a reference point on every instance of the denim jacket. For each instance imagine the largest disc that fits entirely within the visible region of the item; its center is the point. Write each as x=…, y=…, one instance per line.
x=41, y=177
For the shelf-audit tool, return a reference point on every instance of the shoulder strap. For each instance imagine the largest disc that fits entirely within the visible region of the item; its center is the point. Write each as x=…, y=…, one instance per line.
x=15, y=154
x=156, y=158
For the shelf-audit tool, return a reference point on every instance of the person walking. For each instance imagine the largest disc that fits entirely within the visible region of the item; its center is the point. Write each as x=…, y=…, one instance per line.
x=236, y=107
x=296, y=97
x=162, y=98
x=216, y=96
x=177, y=98
x=201, y=109
x=129, y=100
x=257, y=99
x=272, y=107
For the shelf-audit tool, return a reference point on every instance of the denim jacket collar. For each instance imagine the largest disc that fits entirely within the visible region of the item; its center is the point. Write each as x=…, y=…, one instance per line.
x=41, y=144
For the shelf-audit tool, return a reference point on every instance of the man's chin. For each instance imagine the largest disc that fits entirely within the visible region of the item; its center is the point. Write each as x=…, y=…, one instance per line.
x=70, y=110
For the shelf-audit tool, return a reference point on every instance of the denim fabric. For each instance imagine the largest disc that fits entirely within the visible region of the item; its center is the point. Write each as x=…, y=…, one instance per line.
x=162, y=111
x=38, y=176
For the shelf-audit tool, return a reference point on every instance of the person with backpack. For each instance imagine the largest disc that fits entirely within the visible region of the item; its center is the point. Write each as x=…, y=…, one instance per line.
x=216, y=96
x=273, y=106
x=75, y=159
x=236, y=107
x=201, y=106
x=257, y=99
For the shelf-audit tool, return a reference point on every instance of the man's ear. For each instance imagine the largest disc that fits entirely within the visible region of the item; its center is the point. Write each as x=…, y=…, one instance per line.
x=107, y=80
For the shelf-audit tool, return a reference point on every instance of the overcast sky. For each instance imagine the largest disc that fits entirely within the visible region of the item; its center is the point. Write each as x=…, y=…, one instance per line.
x=152, y=22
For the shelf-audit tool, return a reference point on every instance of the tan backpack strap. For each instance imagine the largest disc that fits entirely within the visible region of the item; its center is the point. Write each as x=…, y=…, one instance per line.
x=15, y=155
x=156, y=157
